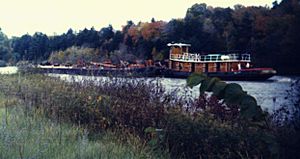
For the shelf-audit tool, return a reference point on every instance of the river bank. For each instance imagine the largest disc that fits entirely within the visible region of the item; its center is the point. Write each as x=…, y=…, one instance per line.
x=205, y=128
x=28, y=133
x=145, y=109
x=270, y=94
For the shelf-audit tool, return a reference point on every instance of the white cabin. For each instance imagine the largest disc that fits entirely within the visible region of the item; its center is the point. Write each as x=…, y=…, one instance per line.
x=181, y=60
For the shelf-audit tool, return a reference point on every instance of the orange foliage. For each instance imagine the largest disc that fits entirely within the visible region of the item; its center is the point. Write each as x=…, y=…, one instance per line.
x=152, y=30
x=145, y=30
x=134, y=33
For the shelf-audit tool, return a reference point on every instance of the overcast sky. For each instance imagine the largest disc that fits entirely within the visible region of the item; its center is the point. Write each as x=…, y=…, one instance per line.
x=18, y=17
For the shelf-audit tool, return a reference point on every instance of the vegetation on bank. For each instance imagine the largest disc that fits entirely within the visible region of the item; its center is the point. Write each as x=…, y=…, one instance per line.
x=72, y=55
x=268, y=33
x=29, y=134
x=204, y=127
x=286, y=123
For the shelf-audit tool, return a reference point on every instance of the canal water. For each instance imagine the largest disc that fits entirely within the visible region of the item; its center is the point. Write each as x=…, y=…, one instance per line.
x=8, y=70
x=271, y=94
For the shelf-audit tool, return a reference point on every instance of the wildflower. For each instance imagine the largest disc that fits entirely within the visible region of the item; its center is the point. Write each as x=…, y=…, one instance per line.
x=99, y=99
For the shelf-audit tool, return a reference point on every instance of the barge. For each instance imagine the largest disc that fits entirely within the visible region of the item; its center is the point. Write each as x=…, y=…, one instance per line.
x=181, y=64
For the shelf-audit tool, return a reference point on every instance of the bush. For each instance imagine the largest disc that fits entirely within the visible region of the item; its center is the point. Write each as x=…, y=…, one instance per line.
x=286, y=124
x=204, y=133
x=200, y=128
x=74, y=54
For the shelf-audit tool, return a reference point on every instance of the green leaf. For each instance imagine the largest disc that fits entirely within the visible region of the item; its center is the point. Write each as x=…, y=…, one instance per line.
x=219, y=89
x=233, y=89
x=195, y=79
x=233, y=93
x=153, y=142
x=260, y=115
x=208, y=84
x=234, y=99
x=248, y=101
x=249, y=108
x=150, y=130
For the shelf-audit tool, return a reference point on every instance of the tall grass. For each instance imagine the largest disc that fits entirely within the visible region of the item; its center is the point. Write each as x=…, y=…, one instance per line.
x=144, y=111
x=286, y=123
x=26, y=134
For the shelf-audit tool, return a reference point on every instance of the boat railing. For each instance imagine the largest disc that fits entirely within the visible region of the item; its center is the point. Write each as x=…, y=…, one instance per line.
x=188, y=57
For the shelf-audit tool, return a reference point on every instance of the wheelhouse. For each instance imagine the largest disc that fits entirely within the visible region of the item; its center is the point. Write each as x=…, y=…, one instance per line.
x=181, y=60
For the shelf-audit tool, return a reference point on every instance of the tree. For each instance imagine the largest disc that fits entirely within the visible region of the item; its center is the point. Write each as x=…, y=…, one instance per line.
x=5, y=49
x=39, y=47
x=21, y=46
x=269, y=33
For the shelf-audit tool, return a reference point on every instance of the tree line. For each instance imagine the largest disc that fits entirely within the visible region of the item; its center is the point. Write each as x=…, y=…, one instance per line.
x=269, y=34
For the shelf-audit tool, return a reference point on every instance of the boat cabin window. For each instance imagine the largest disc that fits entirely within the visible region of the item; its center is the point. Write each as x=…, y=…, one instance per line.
x=206, y=58
x=180, y=52
x=185, y=49
x=213, y=58
x=175, y=50
x=246, y=57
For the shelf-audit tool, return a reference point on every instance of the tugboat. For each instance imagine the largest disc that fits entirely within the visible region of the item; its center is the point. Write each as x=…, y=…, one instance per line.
x=230, y=66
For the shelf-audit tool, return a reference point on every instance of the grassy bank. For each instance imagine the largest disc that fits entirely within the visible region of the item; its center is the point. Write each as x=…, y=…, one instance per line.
x=162, y=122
x=28, y=134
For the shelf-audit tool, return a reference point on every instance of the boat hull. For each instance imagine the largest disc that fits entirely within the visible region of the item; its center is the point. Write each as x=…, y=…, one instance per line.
x=253, y=75
x=137, y=72
x=227, y=76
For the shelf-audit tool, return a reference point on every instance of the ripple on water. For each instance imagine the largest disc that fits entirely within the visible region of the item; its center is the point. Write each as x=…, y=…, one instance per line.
x=270, y=94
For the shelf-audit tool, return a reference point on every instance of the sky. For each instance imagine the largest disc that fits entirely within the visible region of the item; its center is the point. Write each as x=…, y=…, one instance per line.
x=19, y=17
